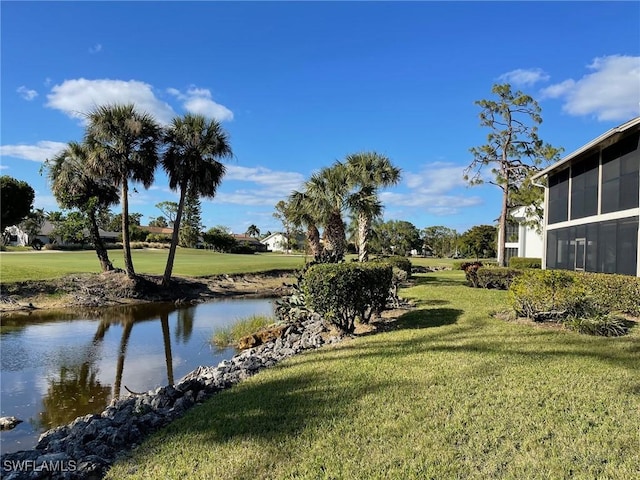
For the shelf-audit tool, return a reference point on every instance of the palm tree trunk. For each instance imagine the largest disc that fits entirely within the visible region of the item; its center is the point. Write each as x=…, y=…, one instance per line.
x=364, y=228
x=335, y=237
x=313, y=236
x=101, y=251
x=166, y=279
x=122, y=353
x=164, y=320
x=126, y=238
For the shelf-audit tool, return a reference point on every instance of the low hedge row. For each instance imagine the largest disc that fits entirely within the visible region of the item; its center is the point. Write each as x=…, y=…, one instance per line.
x=525, y=262
x=344, y=292
x=557, y=294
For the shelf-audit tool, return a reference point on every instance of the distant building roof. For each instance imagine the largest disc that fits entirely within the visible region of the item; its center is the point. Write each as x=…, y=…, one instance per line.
x=161, y=230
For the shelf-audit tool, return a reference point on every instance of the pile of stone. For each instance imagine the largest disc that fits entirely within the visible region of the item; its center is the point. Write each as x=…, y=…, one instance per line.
x=86, y=448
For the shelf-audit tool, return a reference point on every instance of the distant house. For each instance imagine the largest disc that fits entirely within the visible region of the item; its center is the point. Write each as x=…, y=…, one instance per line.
x=158, y=230
x=523, y=240
x=277, y=242
x=18, y=237
x=252, y=242
x=592, y=205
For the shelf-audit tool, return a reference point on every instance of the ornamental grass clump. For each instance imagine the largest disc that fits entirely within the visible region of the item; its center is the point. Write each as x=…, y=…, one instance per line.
x=345, y=292
x=600, y=325
x=231, y=335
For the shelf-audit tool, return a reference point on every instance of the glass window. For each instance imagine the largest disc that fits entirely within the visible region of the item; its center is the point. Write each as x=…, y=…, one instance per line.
x=559, y=197
x=513, y=229
x=592, y=248
x=552, y=248
x=627, y=246
x=620, y=172
x=584, y=187
x=607, y=249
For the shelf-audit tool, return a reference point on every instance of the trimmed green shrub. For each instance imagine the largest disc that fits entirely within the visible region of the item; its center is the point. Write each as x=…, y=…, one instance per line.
x=546, y=295
x=496, y=277
x=612, y=293
x=403, y=263
x=549, y=294
x=525, y=262
x=344, y=292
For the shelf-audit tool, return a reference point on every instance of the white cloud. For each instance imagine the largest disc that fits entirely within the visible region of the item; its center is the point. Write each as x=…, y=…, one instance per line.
x=3, y=167
x=526, y=78
x=270, y=186
x=200, y=101
x=282, y=183
x=430, y=203
x=96, y=48
x=432, y=190
x=435, y=178
x=79, y=96
x=36, y=153
x=610, y=93
x=27, y=93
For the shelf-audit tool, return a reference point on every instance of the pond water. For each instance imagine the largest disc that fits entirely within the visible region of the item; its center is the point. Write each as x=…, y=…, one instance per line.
x=56, y=366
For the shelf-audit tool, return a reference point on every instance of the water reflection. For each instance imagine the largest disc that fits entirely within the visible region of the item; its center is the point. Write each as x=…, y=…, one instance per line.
x=76, y=391
x=58, y=366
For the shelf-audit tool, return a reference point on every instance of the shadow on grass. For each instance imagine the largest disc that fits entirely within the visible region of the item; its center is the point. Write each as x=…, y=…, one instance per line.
x=427, y=318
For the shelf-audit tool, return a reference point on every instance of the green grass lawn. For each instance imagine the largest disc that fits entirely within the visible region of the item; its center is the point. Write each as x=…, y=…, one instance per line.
x=452, y=393
x=44, y=265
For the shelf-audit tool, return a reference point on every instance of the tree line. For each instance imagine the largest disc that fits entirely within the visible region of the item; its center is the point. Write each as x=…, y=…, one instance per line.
x=122, y=145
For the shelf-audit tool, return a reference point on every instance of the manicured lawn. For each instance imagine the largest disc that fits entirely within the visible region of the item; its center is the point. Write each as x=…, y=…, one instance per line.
x=43, y=265
x=452, y=393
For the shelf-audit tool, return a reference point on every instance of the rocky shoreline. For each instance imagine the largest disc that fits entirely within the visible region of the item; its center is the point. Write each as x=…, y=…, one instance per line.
x=87, y=447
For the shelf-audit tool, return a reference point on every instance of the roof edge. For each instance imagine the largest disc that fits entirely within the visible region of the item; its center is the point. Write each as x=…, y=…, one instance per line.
x=609, y=133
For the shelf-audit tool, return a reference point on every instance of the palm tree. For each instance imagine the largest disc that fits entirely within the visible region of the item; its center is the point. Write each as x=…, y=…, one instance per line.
x=194, y=145
x=327, y=192
x=302, y=214
x=252, y=231
x=74, y=186
x=124, y=146
x=366, y=206
x=367, y=172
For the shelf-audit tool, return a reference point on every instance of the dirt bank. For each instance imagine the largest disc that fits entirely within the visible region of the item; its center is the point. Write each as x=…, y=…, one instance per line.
x=115, y=288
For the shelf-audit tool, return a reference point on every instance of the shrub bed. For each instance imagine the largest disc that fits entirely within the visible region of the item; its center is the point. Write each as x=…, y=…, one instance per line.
x=525, y=262
x=344, y=292
x=557, y=294
x=612, y=293
x=496, y=277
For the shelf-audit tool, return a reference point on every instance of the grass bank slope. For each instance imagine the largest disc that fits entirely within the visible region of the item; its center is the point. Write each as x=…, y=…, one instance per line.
x=450, y=393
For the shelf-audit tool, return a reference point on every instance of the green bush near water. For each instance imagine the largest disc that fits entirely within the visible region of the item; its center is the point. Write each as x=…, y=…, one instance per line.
x=345, y=292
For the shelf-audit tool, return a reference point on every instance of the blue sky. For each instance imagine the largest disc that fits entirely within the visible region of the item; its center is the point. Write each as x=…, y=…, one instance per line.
x=298, y=85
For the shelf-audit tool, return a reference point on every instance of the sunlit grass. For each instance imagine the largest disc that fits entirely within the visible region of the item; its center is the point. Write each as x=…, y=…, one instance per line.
x=230, y=335
x=451, y=393
x=45, y=265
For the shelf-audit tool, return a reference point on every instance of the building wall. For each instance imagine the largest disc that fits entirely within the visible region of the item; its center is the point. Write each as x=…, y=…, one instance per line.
x=528, y=242
x=593, y=209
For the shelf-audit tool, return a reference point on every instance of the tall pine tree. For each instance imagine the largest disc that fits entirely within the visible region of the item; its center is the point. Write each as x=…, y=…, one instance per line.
x=191, y=224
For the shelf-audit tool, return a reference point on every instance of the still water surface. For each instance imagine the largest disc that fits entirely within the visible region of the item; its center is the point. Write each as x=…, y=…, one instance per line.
x=56, y=366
